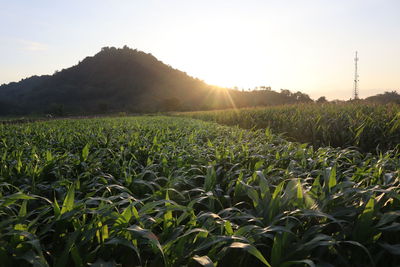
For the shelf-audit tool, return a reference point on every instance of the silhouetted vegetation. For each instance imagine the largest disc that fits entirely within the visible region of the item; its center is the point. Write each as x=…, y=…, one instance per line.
x=127, y=80
x=385, y=98
x=322, y=100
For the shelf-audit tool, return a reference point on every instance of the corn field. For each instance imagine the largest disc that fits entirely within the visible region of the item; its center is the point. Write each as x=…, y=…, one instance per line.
x=171, y=191
x=365, y=126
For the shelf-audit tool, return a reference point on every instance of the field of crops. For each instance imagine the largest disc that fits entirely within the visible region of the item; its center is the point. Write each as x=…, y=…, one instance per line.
x=365, y=126
x=167, y=191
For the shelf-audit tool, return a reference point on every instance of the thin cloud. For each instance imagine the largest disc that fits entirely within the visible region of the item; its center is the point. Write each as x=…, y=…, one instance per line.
x=33, y=46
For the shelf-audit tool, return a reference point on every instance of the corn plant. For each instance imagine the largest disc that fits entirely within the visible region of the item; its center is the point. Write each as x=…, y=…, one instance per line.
x=167, y=191
x=365, y=126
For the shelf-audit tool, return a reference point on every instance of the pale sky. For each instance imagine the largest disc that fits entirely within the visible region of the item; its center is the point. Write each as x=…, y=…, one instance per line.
x=300, y=45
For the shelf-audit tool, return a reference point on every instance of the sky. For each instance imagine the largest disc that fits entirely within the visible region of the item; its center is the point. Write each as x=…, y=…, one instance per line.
x=300, y=45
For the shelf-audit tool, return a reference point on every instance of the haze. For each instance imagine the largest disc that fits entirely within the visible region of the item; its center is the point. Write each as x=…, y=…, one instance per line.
x=305, y=46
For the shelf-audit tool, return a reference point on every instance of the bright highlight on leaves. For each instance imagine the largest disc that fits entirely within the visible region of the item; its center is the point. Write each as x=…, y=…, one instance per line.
x=168, y=191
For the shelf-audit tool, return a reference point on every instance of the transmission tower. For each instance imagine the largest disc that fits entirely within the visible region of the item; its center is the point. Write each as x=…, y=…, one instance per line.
x=355, y=92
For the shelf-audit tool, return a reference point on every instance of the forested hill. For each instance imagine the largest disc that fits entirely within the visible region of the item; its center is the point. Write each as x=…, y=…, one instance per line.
x=126, y=80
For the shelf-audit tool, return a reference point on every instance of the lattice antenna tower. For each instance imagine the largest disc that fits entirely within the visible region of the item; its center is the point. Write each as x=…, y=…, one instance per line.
x=355, y=92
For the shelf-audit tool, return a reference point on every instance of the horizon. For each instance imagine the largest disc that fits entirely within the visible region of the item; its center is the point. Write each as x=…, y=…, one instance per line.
x=307, y=47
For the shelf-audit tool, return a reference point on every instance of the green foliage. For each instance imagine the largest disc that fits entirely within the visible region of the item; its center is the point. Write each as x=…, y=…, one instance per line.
x=163, y=191
x=366, y=126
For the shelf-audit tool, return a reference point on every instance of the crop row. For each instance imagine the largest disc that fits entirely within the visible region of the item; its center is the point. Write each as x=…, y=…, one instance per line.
x=163, y=191
x=365, y=126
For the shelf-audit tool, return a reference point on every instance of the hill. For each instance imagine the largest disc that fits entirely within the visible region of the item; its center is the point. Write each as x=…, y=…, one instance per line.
x=123, y=79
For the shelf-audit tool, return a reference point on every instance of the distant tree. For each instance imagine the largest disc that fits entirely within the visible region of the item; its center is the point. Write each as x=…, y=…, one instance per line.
x=322, y=100
x=286, y=92
x=301, y=97
x=385, y=98
x=338, y=101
